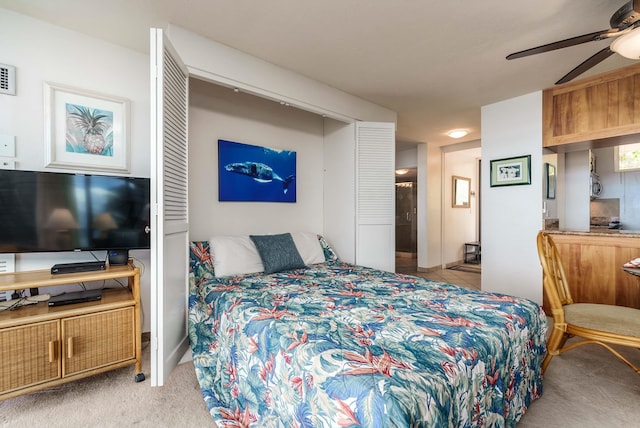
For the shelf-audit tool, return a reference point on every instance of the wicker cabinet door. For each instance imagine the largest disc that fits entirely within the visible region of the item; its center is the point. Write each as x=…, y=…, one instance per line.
x=28, y=355
x=97, y=340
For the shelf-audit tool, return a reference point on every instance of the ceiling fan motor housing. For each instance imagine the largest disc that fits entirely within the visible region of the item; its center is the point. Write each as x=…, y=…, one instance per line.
x=625, y=17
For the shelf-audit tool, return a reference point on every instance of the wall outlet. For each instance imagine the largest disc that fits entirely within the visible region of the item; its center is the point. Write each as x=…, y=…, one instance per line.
x=6, y=163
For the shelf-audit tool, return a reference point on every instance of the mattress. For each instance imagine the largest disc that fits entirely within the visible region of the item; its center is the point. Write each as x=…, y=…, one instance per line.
x=343, y=345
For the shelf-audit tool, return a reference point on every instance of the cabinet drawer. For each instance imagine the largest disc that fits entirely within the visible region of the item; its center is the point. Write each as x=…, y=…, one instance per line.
x=96, y=340
x=28, y=355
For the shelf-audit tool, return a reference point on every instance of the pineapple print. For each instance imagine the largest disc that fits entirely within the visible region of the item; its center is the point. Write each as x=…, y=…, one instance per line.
x=92, y=125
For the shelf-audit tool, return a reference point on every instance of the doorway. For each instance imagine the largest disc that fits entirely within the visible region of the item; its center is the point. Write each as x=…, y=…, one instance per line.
x=406, y=214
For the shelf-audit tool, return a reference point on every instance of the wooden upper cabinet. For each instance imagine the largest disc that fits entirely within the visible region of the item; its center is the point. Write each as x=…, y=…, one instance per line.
x=603, y=106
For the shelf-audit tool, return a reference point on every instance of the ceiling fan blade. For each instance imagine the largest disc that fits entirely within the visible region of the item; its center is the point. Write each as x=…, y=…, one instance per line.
x=564, y=43
x=636, y=5
x=586, y=65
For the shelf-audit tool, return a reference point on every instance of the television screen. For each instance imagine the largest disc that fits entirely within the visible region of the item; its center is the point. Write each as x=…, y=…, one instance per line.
x=46, y=211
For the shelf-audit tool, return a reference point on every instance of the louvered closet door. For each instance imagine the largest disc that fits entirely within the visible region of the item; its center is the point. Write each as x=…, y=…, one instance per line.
x=375, y=195
x=169, y=238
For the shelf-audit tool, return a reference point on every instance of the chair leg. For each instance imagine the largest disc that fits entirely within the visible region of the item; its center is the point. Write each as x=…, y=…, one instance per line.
x=555, y=342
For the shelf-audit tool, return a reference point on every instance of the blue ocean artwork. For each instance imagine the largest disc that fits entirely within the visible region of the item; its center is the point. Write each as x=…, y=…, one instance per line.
x=89, y=130
x=249, y=173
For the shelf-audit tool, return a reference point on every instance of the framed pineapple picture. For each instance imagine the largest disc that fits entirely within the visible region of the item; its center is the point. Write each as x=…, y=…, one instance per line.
x=85, y=130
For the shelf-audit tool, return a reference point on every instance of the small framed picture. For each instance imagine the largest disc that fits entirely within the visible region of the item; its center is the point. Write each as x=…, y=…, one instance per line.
x=85, y=130
x=511, y=171
x=550, y=185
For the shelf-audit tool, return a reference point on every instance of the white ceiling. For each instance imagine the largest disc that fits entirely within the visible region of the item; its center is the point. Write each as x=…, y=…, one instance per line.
x=435, y=62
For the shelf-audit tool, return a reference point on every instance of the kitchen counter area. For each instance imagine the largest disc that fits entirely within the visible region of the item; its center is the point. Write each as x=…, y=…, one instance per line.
x=600, y=231
x=593, y=265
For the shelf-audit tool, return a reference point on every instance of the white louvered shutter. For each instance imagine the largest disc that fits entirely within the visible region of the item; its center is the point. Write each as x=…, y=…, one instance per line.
x=375, y=195
x=170, y=232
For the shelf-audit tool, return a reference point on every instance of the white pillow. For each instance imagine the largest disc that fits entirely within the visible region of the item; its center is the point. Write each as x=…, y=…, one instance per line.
x=309, y=247
x=235, y=255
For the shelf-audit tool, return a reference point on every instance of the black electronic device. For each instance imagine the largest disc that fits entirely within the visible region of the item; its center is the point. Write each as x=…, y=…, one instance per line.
x=75, y=297
x=50, y=211
x=118, y=257
x=61, y=268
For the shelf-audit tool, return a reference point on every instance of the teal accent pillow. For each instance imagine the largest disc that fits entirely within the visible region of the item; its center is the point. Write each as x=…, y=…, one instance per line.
x=278, y=252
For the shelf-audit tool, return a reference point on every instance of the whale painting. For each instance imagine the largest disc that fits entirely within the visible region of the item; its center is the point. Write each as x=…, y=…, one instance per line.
x=249, y=173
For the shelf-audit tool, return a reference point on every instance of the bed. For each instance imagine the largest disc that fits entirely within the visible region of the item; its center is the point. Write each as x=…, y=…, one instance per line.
x=338, y=345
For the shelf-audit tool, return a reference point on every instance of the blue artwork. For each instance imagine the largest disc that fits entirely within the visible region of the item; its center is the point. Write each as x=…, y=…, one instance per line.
x=89, y=130
x=255, y=174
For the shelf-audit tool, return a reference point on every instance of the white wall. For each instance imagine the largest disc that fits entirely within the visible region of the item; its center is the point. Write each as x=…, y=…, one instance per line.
x=512, y=215
x=45, y=53
x=216, y=113
x=434, y=200
x=339, y=188
x=422, y=206
x=407, y=158
x=215, y=62
x=576, y=198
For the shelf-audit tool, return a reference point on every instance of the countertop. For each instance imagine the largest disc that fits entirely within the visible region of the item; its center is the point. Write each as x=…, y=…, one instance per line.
x=618, y=233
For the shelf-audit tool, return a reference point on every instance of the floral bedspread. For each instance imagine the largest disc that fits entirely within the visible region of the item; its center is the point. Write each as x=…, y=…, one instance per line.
x=337, y=345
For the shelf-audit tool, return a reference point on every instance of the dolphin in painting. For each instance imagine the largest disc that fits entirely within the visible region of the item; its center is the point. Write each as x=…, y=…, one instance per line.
x=259, y=172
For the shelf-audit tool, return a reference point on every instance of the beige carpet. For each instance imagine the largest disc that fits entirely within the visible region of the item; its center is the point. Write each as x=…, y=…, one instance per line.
x=113, y=399
x=583, y=388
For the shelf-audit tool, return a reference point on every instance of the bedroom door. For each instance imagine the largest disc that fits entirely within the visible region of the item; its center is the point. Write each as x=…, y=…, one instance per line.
x=169, y=237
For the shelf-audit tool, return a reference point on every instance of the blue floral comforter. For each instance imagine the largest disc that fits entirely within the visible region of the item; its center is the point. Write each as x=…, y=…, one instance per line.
x=337, y=345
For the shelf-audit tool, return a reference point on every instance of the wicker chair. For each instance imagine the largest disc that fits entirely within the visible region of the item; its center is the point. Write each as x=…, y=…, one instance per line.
x=597, y=323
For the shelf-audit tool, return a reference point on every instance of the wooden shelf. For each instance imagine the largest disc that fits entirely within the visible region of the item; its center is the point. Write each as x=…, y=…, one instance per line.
x=44, y=278
x=44, y=345
x=111, y=299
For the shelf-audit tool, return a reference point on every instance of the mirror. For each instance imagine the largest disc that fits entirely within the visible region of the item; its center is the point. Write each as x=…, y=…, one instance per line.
x=461, y=191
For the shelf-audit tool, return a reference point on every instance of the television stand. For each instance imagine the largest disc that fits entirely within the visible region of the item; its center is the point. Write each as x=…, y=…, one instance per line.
x=51, y=345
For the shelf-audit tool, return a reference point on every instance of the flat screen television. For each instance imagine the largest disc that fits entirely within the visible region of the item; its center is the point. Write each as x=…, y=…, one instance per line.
x=50, y=211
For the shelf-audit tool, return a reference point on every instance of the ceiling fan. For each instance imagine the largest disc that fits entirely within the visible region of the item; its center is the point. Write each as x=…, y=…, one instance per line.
x=625, y=27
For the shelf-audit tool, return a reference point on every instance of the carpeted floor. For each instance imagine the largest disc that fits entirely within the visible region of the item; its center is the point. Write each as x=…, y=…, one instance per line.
x=583, y=388
x=113, y=399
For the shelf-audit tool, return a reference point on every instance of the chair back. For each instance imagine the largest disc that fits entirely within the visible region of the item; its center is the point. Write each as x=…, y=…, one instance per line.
x=556, y=288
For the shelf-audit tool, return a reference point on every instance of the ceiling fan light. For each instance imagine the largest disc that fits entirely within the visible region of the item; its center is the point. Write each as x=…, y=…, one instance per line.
x=457, y=133
x=628, y=45
x=402, y=171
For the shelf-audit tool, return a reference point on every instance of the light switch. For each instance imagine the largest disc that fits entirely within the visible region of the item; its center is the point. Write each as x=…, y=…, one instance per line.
x=8, y=146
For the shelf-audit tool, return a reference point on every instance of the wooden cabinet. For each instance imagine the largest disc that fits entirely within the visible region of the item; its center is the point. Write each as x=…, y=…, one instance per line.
x=593, y=266
x=604, y=106
x=42, y=346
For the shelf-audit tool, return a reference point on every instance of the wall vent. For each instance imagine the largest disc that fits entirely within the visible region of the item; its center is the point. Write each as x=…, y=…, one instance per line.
x=7, y=79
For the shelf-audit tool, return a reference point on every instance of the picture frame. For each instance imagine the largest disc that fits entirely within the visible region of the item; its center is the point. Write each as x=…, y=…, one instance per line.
x=550, y=178
x=510, y=171
x=85, y=130
x=461, y=192
x=248, y=173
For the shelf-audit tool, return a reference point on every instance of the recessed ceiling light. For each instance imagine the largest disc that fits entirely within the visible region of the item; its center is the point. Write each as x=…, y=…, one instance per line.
x=457, y=133
x=402, y=171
